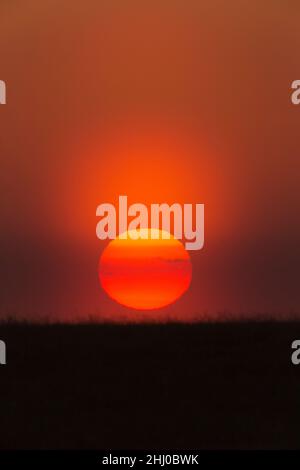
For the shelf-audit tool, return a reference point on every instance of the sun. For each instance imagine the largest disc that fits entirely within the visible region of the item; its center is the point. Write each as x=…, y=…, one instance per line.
x=148, y=269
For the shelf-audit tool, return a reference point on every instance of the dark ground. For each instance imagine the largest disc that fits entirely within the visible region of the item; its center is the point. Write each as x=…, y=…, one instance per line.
x=200, y=386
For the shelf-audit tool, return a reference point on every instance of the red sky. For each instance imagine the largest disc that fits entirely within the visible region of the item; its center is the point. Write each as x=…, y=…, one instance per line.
x=165, y=102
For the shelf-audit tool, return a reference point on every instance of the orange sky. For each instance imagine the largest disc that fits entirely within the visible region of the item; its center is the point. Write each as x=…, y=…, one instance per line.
x=165, y=102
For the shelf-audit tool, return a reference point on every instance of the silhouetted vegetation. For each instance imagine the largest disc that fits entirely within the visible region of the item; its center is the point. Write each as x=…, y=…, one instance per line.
x=201, y=386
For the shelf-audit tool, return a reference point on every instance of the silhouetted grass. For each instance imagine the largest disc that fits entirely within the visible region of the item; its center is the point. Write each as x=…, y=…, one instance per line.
x=203, y=386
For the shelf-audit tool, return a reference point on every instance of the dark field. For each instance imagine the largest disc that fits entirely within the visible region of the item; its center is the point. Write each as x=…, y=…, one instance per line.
x=203, y=386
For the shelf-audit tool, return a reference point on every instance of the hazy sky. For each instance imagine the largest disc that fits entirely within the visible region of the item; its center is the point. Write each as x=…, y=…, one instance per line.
x=174, y=101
